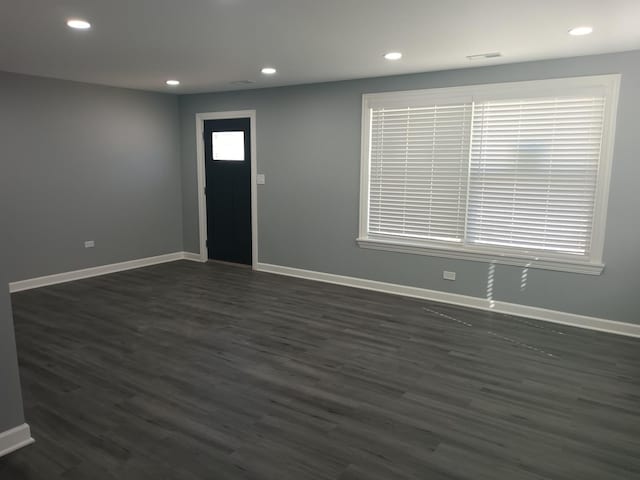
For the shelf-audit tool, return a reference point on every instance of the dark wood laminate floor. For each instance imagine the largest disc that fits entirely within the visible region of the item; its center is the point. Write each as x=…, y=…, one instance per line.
x=190, y=371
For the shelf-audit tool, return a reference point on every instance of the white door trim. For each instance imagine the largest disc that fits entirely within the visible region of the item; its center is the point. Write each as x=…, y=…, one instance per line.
x=202, y=201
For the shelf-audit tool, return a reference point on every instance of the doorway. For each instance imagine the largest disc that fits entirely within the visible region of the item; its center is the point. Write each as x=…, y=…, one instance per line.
x=226, y=176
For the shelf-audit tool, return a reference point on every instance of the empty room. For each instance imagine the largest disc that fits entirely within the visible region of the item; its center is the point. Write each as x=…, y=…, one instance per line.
x=332, y=240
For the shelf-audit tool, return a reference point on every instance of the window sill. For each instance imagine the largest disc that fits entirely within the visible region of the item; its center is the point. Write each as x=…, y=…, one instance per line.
x=486, y=257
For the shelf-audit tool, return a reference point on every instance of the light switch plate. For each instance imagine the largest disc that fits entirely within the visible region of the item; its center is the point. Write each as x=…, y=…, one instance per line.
x=260, y=179
x=89, y=244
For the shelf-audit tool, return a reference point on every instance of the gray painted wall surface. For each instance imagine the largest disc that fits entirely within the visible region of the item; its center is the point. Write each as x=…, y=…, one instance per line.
x=84, y=162
x=308, y=146
x=11, y=414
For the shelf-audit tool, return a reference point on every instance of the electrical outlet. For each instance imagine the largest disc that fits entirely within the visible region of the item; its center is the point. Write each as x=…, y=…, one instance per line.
x=89, y=244
x=449, y=275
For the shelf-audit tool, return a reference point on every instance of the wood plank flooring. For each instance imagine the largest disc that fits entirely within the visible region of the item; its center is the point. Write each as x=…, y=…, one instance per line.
x=187, y=371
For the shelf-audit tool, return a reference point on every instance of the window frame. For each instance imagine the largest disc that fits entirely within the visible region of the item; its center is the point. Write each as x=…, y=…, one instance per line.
x=213, y=146
x=593, y=264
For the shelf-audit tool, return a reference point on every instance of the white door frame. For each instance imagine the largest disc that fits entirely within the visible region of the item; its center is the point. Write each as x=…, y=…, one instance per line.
x=202, y=200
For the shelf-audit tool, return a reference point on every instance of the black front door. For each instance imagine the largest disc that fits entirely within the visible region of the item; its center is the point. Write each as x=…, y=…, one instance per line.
x=227, y=149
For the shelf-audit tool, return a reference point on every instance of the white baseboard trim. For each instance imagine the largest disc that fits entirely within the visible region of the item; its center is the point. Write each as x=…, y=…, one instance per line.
x=97, y=271
x=193, y=257
x=564, y=318
x=14, y=439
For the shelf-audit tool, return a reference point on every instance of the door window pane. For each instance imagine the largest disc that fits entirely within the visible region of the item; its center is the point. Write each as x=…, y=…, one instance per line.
x=228, y=146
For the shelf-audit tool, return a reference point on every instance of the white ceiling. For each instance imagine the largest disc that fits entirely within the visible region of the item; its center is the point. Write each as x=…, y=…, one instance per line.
x=207, y=44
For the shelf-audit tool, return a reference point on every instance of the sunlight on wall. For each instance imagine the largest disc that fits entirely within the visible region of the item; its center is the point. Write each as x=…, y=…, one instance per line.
x=490, y=279
x=523, y=278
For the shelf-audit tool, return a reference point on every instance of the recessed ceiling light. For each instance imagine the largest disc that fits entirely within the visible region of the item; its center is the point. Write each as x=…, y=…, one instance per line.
x=172, y=83
x=393, y=56
x=268, y=70
x=577, y=31
x=78, y=24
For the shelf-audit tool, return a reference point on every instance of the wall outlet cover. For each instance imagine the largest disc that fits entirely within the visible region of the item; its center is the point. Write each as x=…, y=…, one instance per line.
x=449, y=275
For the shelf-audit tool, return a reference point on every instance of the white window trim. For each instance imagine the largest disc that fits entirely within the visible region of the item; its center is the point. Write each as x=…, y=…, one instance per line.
x=534, y=259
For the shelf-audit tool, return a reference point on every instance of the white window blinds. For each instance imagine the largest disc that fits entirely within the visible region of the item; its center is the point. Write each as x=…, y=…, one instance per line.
x=533, y=173
x=418, y=171
x=518, y=169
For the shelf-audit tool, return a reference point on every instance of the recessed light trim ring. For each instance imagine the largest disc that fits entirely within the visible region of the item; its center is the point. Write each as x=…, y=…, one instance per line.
x=78, y=24
x=393, y=56
x=581, y=30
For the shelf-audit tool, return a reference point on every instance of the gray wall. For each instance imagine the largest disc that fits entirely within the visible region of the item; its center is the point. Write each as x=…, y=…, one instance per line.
x=84, y=162
x=11, y=414
x=309, y=148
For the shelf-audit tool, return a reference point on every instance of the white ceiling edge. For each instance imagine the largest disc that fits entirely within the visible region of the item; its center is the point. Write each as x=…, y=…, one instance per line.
x=472, y=64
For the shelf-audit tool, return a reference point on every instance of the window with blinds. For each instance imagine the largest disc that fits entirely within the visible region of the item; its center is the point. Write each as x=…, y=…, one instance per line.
x=533, y=173
x=517, y=170
x=418, y=179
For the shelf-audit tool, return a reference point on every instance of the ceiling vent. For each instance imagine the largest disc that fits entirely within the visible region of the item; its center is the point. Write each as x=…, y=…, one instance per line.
x=243, y=83
x=482, y=56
